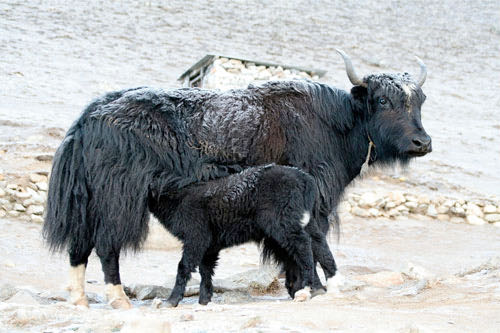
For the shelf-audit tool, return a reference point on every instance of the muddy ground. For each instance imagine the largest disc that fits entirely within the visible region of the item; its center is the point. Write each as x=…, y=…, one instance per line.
x=56, y=56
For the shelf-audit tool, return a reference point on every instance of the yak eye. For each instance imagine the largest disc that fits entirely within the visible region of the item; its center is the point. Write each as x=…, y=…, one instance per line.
x=382, y=101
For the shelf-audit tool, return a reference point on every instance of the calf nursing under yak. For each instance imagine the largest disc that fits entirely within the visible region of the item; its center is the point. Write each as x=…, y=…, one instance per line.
x=129, y=145
x=270, y=204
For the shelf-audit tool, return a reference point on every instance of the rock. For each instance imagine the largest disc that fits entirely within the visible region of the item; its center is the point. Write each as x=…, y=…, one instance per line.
x=496, y=224
x=457, y=211
x=35, y=209
x=456, y=219
x=488, y=209
x=473, y=209
x=186, y=317
x=422, y=209
x=443, y=217
x=393, y=212
x=2, y=193
x=5, y=204
x=19, y=208
x=14, y=213
x=150, y=324
x=410, y=197
x=475, y=220
x=423, y=199
x=412, y=205
x=431, y=211
x=36, y=218
x=443, y=209
x=7, y=291
x=390, y=205
x=44, y=157
x=144, y=292
x=360, y=212
x=235, y=297
x=60, y=296
x=382, y=279
x=257, y=279
x=413, y=290
x=417, y=272
x=344, y=207
x=251, y=323
x=402, y=209
x=23, y=195
x=3, y=213
x=397, y=197
x=492, y=218
x=42, y=186
x=223, y=286
x=23, y=297
x=348, y=284
x=374, y=212
x=367, y=200
x=12, y=186
x=37, y=178
x=156, y=303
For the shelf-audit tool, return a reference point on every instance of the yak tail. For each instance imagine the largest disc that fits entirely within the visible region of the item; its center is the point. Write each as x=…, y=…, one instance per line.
x=65, y=220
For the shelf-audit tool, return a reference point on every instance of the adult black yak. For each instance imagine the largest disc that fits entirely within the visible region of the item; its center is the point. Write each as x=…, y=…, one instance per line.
x=266, y=203
x=129, y=143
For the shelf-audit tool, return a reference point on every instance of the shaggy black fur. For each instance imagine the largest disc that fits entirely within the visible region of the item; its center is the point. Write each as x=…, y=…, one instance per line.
x=129, y=143
x=268, y=202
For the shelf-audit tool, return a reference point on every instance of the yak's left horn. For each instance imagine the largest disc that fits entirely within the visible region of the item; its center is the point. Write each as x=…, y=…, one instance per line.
x=351, y=73
x=423, y=72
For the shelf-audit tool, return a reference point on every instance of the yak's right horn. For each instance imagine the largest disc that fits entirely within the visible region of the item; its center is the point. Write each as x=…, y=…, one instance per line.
x=351, y=73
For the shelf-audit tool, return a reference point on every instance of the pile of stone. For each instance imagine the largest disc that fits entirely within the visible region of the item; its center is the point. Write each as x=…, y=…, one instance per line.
x=227, y=73
x=24, y=202
x=27, y=202
x=401, y=205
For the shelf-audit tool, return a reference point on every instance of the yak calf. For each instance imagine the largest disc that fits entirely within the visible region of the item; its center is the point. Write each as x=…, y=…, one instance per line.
x=267, y=203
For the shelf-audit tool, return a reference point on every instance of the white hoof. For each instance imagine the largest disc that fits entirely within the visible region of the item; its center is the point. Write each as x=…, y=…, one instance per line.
x=116, y=297
x=302, y=295
x=77, y=297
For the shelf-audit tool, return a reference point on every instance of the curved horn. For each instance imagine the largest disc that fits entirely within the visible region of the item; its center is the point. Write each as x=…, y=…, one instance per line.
x=423, y=72
x=351, y=73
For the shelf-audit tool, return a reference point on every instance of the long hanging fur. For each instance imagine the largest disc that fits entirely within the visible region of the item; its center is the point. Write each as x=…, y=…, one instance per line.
x=134, y=142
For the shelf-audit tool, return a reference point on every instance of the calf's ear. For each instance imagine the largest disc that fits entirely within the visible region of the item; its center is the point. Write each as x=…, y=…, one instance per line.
x=359, y=94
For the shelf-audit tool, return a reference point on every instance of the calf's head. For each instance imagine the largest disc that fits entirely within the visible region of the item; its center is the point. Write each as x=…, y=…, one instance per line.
x=389, y=105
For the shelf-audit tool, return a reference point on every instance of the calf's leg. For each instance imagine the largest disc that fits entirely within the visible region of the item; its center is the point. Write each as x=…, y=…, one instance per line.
x=192, y=255
x=207, y=267
x=290, y=236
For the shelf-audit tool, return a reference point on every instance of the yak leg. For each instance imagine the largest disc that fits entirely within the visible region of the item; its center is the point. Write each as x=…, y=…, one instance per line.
x=115, y=295
x=78, y=259
x=207, y=267
x=192, y=256
x=294, y=240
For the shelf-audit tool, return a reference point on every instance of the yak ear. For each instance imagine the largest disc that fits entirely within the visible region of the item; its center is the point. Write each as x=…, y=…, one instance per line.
x=359, y=96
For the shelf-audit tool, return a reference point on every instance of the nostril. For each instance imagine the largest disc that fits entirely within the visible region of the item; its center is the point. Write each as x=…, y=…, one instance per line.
x=417, y=142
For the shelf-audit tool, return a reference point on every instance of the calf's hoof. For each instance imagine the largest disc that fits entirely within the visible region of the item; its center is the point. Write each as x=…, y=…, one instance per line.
x=203, y=301
x=302, y=295
x=172, y=303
